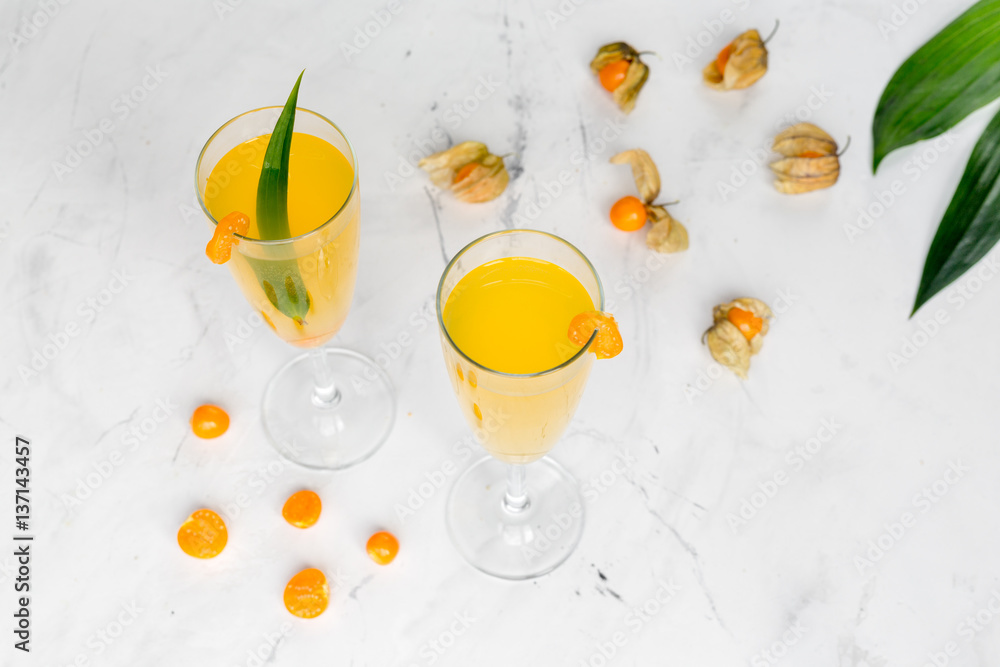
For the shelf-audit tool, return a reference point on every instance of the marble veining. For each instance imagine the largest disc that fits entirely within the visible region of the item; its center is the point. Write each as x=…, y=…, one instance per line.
x=838, y=508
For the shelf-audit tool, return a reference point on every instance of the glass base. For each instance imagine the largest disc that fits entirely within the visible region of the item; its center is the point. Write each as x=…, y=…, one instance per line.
x=334, y=435
x=515, y=544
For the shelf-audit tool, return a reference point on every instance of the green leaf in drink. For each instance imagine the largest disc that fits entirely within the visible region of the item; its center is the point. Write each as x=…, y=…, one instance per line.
x=281, y=280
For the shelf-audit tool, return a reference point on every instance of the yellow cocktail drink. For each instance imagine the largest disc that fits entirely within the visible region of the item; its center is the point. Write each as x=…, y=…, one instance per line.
x=511, y=316
x=514, y=309
x=319, y=183
x=297, y=265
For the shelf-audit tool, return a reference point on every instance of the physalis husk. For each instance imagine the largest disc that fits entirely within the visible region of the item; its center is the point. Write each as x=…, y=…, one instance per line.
x=665, y=234
x=739, y=64
x=810, y=161
x=732, y=340
x=469, y=171
x=631, y=72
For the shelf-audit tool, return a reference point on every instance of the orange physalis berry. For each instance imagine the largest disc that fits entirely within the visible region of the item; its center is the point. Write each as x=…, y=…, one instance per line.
x=209, y=421
x=464, y=172
x=613, y=74
x=748, y=323
x=608, y=342
x=203, y=535
x=220, y=248
x=621, y=72
x=628, y=214
x=302, y=508
x=723, y=58
x=382, y=547
x=307, y=594
x=811, y=154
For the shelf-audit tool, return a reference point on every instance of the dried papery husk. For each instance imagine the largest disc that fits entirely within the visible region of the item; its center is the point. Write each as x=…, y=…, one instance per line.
x=486, y=180
x=755, y=306
x=644, y=171
x=746, y=64
x=666, y=234
x=726, y=342
x=610, y=53
x=628, y=91
x=729, y=347
x=804, y=138
x=796, y=175
x=626, y=94
x=443, y=166
x=810, y=160
x=747, y=303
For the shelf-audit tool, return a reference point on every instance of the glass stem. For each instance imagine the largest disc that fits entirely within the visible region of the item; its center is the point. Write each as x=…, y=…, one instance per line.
x=325, y=393
x=516, y=498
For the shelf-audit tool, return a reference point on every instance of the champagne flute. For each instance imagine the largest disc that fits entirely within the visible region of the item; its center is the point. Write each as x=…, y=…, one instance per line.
x=516, y=513
x=329, y=408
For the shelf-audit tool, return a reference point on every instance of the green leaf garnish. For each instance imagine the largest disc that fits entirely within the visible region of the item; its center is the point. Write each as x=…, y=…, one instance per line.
x=272, y=189
x=949, y=77
x=971, y=225
x=280, y=279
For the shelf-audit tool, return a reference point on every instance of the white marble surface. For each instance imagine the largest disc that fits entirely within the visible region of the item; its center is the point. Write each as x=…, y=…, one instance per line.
x=787, y=582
